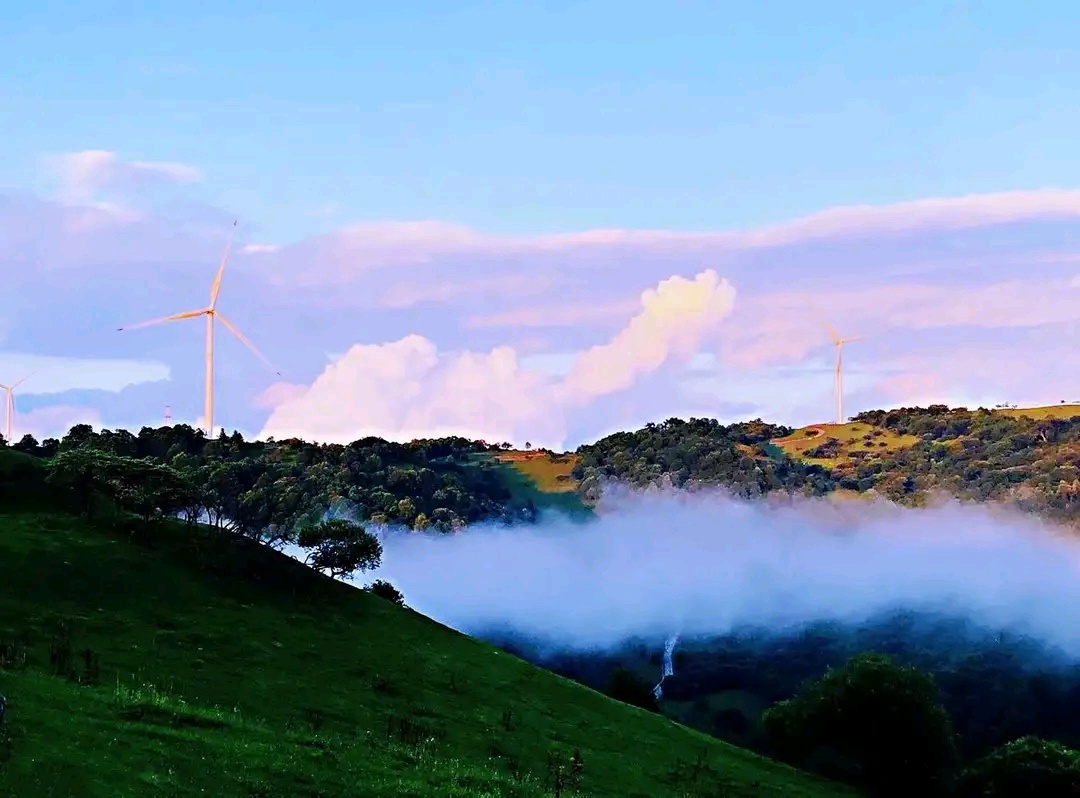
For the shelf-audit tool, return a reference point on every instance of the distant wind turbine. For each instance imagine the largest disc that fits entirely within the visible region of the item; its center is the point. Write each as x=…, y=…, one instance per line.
x=839, y=342
x=211, y=312
x=9, y=405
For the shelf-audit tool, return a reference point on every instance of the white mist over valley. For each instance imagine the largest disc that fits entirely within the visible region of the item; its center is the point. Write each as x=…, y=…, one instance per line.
x=702, y=564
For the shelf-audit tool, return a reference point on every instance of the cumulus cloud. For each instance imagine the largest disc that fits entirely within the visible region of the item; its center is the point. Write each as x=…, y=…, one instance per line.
x=675, y=317
x=408, y=389
x=278, y=394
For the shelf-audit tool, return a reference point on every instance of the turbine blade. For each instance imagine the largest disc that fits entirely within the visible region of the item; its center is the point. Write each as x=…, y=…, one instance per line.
x=244, y=340
x=215, y=289
x=24, y=379
x=832, y=333
x=849, y=340
x=187, y=314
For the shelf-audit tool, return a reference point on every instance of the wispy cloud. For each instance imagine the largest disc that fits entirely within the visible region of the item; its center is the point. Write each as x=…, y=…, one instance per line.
x=82, y=175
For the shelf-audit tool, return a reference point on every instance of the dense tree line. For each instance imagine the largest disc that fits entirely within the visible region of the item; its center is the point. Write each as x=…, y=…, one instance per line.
x=699, y=452
x=978, y=455
x=274, y=492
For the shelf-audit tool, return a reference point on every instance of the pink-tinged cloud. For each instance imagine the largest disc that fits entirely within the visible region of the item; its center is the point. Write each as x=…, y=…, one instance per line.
x=675, y=317
x=558, y=315
x=278, y=394
x=498, y=287
x=355, y=249
x=408, y=389
x=784, y=327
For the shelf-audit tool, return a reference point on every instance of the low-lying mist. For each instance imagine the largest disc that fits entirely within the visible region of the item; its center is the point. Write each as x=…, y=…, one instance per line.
x=705, y=564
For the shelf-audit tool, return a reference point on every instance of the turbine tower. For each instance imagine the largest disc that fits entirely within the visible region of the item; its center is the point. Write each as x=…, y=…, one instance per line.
x=839, y=342
x=212, y=314
x=9, y=406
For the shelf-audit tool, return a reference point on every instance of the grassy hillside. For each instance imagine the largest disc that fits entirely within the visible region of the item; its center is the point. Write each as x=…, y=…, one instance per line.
x=542, y=481
x=551, y=473
x=154, y=661
x=1062, y=411
x=835, y=445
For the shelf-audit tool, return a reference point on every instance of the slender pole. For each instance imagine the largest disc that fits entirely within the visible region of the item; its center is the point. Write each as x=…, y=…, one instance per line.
x=9, y=407
x=839, y=383
x=209, y=398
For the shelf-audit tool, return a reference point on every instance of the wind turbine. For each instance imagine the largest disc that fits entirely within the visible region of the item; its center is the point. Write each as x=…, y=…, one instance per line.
x=839, y=342
x=9, y=405
x=211, y=313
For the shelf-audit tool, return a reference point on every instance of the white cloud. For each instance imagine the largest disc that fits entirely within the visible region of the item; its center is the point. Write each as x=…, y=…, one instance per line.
x=675, y=318
x=53, y=421
x=83, y=174
x=408, y=389
x=357, y=249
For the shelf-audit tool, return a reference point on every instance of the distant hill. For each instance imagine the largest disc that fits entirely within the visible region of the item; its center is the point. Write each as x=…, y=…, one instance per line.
x=1023, y=457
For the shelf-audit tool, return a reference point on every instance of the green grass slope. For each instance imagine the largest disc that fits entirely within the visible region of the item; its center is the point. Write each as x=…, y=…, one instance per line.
x=158, y=662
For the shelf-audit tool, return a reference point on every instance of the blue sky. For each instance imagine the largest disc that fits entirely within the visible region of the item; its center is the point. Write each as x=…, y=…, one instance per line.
x=541, y=117
x=445, y=208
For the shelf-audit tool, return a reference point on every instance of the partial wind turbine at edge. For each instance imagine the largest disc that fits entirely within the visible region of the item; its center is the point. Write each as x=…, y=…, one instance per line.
x=9, y=405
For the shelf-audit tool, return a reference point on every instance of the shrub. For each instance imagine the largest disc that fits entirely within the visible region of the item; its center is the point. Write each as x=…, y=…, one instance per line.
x=1025, y=767
x=385, y=590
x=872, y=723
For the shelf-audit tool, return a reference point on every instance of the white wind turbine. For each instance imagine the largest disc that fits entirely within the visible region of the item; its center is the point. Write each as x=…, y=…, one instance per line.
x=839, y=342
x=211, y=313
x=9, y=405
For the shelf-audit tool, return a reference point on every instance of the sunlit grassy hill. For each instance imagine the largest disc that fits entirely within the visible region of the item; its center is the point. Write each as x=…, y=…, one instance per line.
x=832, y=445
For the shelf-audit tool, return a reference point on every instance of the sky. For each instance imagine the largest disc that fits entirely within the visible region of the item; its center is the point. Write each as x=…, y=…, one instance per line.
x=536, y=222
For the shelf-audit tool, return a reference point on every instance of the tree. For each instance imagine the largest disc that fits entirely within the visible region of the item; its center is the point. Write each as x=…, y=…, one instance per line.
x=871, y=722
x=84, y=472
x=385, y=590
x=626, y=687
x=340, y=547
x=149, y=489
x=1025, y=767
x=28, y=445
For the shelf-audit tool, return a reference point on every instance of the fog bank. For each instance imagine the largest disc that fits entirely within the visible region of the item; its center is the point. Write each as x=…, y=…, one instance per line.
x=705, y=564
